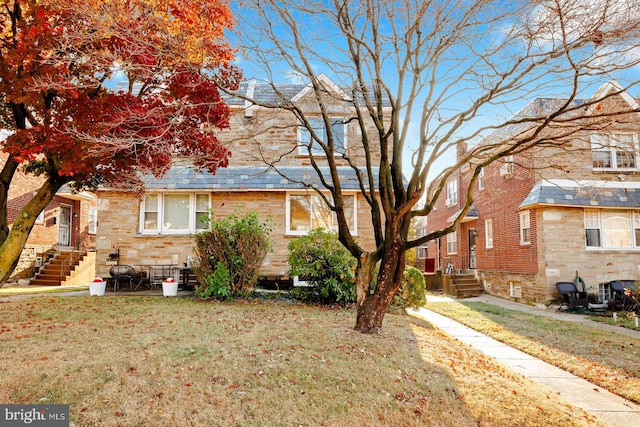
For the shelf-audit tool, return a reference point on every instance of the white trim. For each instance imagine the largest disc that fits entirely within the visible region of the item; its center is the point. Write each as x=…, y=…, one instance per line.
x=287, y=221
x=603, y=92
x=160, y=229
x=522, y=215
x=488, y=233
x=324, y=81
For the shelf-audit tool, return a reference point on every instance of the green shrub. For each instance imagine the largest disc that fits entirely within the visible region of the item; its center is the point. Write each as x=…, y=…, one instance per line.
x=321, y=260
x=217, y=284
x=412, y=292
x=229, y=254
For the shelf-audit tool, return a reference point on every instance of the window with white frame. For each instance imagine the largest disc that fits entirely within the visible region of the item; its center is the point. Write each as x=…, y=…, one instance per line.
x=488, y=233
x=452, y=193
x=612, y=229
x=92, y=227
x=614, y=151
x=525, y=227
x=481, y=179
x=452, y=243
x=306, y=212
x=422, y=252
x=507, y=166
x=174, y=213
x=338, y=130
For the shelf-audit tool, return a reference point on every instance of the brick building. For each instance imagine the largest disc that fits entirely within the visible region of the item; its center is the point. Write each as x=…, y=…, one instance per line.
x=158, y=229
x=542, y=216
x=68, y=221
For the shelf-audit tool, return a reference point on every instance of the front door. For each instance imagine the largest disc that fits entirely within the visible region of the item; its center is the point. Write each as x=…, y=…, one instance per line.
x=472, y=248
x=64, y=238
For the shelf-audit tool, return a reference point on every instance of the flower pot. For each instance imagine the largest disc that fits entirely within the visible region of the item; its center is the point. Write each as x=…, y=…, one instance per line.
x=169, y=287
x=97, y=287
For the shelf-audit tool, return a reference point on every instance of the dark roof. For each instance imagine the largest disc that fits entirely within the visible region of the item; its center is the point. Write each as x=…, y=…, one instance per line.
x=472, y=214
x=531, y=114
x=246, y=178
x=582, y=195
x=265, y=93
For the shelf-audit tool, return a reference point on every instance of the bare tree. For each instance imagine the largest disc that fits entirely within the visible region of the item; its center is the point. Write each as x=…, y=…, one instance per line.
x=427, y=75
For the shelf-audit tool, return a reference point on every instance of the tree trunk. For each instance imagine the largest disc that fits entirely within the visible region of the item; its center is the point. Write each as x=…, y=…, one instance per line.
x=6, y=175
x=373, y=308
x=15, y=241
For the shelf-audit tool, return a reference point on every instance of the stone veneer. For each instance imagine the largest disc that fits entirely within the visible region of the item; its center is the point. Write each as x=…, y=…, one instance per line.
x=118, y=228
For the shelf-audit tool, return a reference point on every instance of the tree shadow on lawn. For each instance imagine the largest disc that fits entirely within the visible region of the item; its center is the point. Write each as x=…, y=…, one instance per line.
x=176, y=361
x=608, y=359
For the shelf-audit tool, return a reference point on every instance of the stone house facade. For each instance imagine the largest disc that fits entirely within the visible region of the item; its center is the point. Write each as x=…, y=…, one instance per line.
x=269, y=163
x=552, y=213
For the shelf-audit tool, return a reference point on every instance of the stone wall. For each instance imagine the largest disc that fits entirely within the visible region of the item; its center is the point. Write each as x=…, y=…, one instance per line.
x=118, y=229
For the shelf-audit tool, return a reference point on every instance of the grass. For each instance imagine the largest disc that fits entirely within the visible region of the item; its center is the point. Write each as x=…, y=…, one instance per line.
x=147, y=361
x=29, y=290
x=624, y=319
x=607, y=359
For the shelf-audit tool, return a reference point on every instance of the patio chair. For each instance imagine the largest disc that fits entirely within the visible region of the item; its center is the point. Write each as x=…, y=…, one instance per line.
x=572, y=298
x=620, y=300
x=122, y=273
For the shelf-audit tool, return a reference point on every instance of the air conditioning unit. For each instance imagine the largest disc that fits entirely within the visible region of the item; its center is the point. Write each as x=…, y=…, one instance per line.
x=515, y=291
x=38, y=261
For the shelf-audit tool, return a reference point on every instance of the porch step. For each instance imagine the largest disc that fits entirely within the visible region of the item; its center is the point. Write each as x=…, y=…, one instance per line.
x=56, y=270
x=465, y=285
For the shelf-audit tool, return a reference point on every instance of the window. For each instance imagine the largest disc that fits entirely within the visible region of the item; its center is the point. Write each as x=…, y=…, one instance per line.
x=612, y=229
x=40, y=218
x=306, y=212
x=173, y=213
x=488, y=233
x=452, y=193
x=525, y=227
x=481, y=179
x=338, y=130
x=451, y=243
x=422, y=252
x=592, y=228
x=93, y=221
x=507, y=166
x=614, y=151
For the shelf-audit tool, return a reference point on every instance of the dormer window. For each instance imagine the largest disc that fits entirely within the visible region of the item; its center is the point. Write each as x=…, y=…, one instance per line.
x=305, y=141
x=614, y=151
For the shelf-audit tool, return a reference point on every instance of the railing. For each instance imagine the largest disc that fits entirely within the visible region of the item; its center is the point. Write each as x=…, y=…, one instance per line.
x=72, y=260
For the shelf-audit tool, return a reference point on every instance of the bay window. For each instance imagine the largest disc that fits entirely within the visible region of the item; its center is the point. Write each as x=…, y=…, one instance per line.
x=306, y=212
x=173, y=213
x=612, y=229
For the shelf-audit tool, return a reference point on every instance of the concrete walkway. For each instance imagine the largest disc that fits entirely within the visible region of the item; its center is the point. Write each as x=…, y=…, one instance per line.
x=606, y=406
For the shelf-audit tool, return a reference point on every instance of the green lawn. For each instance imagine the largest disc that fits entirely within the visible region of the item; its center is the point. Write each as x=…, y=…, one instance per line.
x=147, y=361
x=610, y=360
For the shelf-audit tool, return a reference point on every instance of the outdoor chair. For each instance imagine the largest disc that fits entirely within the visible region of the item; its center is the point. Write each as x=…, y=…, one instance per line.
x=622, y=298
x=122, y=273
x=572, y=298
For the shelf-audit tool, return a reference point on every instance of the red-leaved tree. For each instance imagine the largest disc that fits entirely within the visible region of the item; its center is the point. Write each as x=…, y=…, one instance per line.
x=70, y=124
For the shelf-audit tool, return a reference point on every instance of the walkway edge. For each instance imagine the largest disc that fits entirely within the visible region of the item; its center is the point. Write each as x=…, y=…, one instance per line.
x=606, y=406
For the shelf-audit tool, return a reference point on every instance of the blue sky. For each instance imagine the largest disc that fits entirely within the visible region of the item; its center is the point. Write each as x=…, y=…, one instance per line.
x=549, y=85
